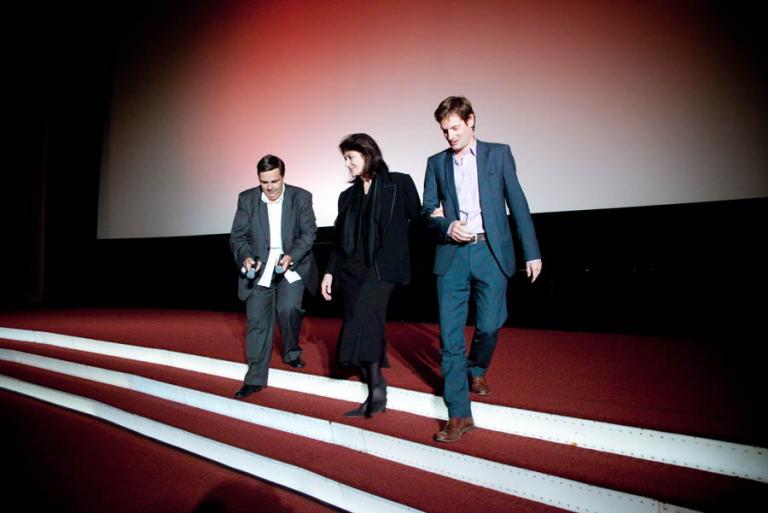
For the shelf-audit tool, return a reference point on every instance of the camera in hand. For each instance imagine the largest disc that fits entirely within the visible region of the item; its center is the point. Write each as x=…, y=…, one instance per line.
x=279, y=269
x=251, y=273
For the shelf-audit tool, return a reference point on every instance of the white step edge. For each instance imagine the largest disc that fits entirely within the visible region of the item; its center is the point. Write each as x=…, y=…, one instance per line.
x=536, y=486
x=720, y=457
x=290, y=476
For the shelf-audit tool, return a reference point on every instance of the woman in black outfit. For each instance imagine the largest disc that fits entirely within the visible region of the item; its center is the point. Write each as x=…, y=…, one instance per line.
x=370, y=256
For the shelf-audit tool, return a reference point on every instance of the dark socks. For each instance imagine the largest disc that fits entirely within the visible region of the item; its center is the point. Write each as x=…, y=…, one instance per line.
x=377, y=392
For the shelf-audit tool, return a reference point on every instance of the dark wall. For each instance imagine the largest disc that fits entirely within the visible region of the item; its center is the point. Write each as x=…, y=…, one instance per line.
x=60, y=79
x=61, y=62
x=683, y=270
x=689, y=269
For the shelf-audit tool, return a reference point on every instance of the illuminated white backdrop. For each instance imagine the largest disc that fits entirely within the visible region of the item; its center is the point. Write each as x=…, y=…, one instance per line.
x=605, y=104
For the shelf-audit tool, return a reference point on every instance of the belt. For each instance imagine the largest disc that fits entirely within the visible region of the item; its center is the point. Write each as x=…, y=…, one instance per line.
x=479, y=237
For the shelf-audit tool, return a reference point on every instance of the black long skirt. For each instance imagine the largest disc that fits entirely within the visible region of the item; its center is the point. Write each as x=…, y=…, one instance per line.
x=362, y=339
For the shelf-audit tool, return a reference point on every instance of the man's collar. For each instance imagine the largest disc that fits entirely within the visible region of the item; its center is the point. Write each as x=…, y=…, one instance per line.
x=472, y=148
x=277, y=201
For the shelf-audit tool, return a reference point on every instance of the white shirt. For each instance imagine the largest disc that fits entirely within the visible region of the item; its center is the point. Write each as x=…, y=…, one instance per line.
x=467, y=189
x=275, y=216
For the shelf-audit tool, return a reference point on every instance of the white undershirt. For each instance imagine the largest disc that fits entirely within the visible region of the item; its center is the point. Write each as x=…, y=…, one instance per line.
x=275, y=216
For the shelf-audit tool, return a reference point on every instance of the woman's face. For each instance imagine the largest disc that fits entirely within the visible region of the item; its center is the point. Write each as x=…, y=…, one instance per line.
x=355, y=162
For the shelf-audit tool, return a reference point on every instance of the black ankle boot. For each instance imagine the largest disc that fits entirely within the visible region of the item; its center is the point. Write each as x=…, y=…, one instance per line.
x=359, y=411
x=378, y=401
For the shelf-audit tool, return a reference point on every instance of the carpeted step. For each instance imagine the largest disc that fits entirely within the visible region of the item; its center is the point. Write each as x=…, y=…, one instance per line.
x=664, y=482
x=48, y=467
x=680, y=386
x=399, y=483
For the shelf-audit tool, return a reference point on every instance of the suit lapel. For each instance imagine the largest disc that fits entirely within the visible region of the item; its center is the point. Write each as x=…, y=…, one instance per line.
x=482, y=172
x=448, y=175
x=286, y=218
x=388, y=196
x=262, y=218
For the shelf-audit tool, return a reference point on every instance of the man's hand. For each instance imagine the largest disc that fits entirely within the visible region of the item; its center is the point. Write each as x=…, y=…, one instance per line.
x=249, y=262
x=438, y=212
x=285, y=262
x=325, y=286
x=532, y=269
x=457, y=232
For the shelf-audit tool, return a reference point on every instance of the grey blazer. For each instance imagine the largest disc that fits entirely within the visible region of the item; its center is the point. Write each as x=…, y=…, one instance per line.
x=250, y=234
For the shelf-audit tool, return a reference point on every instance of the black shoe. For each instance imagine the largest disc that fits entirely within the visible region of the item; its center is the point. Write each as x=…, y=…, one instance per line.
x=359, y=411
x=376, y=407
x=298, y=363
x=378, y=401
x=247, y=390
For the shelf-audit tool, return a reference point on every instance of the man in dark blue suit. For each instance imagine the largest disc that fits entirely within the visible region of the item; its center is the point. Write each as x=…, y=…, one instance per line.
x=467, y=188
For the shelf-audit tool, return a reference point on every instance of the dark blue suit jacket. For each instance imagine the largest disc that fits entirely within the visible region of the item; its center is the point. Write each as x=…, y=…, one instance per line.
x=498, y=186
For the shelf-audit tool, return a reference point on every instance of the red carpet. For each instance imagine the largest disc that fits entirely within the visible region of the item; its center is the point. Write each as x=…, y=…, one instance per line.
x=417, y=488
x=671, y=385
x=56, y=460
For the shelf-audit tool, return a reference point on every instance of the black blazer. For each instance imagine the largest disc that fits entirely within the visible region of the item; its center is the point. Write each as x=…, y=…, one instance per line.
x=250, y=234
x=398, y=206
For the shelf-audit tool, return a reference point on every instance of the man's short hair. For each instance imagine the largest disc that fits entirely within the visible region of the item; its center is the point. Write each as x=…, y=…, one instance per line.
x=270, y=162
x=458, y=105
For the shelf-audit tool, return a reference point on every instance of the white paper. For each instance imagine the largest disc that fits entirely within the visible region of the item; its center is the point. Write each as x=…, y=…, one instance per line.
x=269, y=268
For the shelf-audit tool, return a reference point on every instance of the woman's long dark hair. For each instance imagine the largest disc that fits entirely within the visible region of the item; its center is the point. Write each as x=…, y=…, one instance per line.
x=364, y=143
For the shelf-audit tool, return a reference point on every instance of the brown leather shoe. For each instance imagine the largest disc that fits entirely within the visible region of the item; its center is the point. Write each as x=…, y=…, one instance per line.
x=454, y=428
x=478, y=385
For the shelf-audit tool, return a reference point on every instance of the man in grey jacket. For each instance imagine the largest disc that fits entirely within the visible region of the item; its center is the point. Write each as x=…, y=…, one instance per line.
x=272, y=237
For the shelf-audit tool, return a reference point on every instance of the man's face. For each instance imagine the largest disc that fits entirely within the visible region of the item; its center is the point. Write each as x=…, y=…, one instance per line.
x=271, y=183
x=457, y=132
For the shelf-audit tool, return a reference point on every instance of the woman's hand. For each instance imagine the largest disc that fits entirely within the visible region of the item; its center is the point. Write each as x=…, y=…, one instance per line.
x=325, y=286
